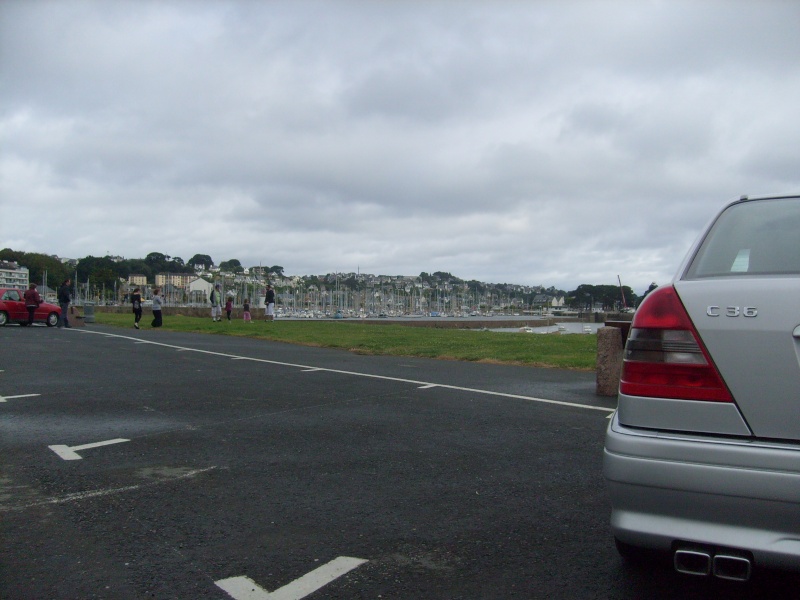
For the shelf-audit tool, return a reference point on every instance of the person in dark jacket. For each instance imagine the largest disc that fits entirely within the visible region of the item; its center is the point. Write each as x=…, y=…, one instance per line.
x=136, y=300
x=32, y=301
x=269, y=304
x=64, y=298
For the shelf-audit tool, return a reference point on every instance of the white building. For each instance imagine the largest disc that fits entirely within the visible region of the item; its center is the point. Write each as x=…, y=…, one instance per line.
x=13, y=276
x=199, y=290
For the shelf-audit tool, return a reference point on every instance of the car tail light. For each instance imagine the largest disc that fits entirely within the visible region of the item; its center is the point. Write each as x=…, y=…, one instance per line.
x=664, y=357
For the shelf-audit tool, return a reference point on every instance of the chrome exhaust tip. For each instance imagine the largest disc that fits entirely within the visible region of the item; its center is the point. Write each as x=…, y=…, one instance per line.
x=692, y=562
x=732, y=568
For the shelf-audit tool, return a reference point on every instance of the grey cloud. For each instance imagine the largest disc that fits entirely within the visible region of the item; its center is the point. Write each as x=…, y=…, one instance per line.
x=542, y=142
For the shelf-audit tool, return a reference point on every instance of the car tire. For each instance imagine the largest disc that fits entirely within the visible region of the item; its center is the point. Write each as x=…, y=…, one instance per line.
x=52, y=319
x=3, y=318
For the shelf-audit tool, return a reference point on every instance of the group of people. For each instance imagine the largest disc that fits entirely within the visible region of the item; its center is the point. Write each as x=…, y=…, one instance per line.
x=216, y=306
x=33, y=300
x=158, y=301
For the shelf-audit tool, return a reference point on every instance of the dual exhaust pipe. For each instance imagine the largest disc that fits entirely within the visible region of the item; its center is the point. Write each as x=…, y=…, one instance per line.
x=729, y=565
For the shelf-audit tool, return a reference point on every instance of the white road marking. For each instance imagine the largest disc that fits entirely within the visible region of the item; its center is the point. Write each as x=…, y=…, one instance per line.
x=4, y=398
x=368, y=375
x=106, y=492
x=69, y=452
x=244, y=588
x=427, y=387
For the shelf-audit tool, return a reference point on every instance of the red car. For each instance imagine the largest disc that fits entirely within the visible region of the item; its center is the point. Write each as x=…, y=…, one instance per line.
x=13, y=310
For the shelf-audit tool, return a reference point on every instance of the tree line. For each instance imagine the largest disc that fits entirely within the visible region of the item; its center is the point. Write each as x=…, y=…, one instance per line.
x=103, y=270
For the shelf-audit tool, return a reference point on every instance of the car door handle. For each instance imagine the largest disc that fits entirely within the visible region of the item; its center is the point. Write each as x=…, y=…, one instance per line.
x=796, y=332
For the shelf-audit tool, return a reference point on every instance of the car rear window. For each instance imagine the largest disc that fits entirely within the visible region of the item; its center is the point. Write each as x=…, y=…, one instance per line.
x=756, y=237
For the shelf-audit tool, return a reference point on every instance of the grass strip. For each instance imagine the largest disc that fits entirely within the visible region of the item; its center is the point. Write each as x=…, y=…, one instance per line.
x=540, y=350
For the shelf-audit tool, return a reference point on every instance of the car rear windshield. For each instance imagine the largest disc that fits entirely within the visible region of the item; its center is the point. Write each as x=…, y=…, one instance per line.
x=754, y=237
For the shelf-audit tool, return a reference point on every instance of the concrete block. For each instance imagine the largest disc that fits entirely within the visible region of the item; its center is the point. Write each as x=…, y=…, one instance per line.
x=609, y=360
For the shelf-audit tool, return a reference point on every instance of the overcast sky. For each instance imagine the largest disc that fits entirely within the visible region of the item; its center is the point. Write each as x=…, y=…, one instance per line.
x=530, y=142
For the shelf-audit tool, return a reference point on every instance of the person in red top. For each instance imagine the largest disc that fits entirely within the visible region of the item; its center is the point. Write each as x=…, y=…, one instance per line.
x=229, y=308
x=32, y=301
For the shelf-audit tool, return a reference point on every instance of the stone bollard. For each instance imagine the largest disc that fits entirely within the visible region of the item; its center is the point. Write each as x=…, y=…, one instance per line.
x=75, y=319
x=609, y=360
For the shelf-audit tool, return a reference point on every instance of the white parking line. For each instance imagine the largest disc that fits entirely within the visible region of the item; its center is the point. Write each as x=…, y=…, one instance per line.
x=105, y=492
x=244, y=588
x=68, y=452
x=4, y=398
x=369, y=375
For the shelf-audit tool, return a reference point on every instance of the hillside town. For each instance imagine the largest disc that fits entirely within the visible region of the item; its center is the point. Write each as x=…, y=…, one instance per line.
x=110, y=280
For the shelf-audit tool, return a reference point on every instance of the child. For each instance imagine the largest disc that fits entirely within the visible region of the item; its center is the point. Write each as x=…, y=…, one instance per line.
x=229, y=308
x=246, y=310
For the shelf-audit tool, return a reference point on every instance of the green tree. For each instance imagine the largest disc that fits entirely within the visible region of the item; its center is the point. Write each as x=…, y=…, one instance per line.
x=201, y=259
x=155, y=258
x=232, y=265
x=609, y=297
x=97, y=268
x=38, y=265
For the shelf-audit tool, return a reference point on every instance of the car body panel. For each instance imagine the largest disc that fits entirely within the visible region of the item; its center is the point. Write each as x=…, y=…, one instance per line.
x=722, y=491
x=757, y=356
x=720, y=418
x=13, y=304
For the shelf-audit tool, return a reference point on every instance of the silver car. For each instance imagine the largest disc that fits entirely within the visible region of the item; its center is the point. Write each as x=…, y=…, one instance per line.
x=702, y=458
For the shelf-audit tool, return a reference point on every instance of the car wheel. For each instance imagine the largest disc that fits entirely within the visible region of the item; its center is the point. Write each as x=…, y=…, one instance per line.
x=52, y=319
x=3, y=318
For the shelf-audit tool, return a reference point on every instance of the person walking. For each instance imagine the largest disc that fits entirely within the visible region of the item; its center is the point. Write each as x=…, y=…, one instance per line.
x=216, y=304
x=32, y=301
x=269, y=303
x=246, y=310
x=229, y=308
x=64, y=298
x=136, y=300
x=157, y=302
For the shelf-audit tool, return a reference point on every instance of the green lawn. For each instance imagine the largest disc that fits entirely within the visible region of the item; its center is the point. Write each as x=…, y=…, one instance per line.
x=552, y=350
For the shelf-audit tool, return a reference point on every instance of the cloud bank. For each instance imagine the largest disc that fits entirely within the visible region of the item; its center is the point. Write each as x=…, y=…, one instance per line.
x=551, y=143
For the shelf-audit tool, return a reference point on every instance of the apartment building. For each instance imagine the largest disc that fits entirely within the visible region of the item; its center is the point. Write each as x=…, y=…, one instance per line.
x=13, y=276
x=137, y=280
x=180, y=280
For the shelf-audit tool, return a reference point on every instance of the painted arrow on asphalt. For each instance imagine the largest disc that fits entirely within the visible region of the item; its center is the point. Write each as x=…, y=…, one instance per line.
x=244, y=588
x=69, y=452
x=4, y=398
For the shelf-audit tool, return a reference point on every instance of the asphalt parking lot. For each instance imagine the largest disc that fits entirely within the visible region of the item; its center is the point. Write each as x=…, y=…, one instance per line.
x=153, y=464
